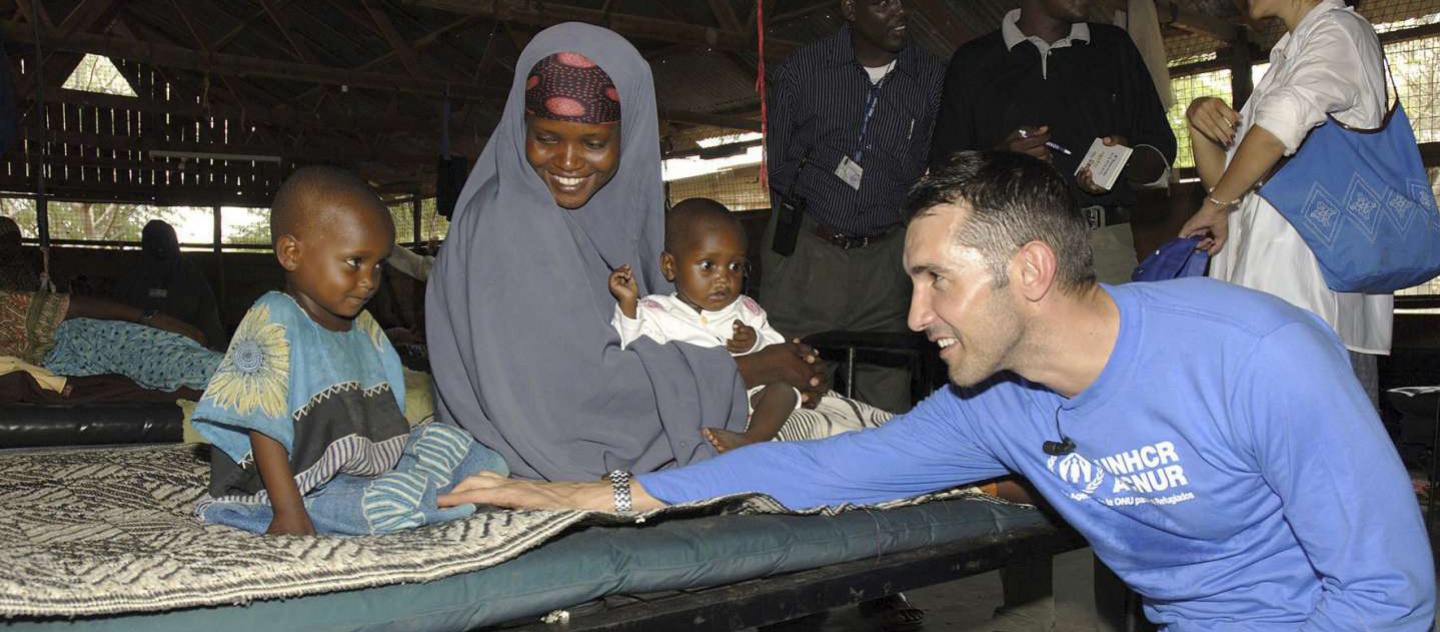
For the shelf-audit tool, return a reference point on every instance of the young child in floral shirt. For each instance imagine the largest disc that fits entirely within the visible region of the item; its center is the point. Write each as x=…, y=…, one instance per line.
x=305, y=411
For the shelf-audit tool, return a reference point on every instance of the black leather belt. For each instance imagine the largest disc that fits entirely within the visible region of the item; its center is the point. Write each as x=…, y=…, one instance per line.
x=846, y=242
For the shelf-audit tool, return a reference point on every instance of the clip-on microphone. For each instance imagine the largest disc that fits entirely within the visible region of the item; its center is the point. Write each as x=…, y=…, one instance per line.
x=1058, y=448
x=1062, y=447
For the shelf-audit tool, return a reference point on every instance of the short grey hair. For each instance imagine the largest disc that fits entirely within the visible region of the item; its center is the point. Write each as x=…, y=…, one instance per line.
x=1014, y=199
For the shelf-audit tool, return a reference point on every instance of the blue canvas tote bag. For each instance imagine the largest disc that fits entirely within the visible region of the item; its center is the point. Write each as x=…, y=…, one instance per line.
x=1361, y=200
x=1175, y=259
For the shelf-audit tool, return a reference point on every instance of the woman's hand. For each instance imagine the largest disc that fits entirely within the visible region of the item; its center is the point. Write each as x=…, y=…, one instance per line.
x=1213, y=119
x=793, y=363
x=1212, y=221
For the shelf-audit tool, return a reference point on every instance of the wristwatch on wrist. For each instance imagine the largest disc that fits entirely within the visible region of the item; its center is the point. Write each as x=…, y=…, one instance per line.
x=620, y=485
x=147, y=315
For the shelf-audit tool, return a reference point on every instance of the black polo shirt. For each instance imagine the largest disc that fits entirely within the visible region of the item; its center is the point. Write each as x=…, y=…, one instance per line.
x=1082, y=91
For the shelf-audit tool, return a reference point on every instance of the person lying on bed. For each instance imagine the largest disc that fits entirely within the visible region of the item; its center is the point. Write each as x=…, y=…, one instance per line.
x=705, y=258
x=81, y=336
x=1210, y=441
x=306, y=410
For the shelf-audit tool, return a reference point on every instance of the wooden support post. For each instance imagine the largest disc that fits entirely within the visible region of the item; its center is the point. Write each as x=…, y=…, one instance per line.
x=415, y=217
x=42, y=220
x=1241, y=53
x=219, y=263
x=38, y=149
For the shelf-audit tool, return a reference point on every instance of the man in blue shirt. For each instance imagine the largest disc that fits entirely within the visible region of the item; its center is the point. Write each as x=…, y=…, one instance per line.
x=1209, y=441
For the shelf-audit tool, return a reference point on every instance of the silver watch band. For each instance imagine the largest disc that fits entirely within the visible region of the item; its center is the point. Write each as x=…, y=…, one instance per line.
x=620, y=485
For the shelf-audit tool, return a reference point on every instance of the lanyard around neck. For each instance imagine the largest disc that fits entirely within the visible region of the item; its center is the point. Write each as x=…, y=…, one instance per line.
x=872, y=98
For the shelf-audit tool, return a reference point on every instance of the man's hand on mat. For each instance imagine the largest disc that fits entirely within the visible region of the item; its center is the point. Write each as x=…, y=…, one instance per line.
x=489, y=488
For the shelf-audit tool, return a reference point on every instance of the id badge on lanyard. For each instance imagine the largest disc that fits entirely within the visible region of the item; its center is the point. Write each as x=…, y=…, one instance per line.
x=849, y=170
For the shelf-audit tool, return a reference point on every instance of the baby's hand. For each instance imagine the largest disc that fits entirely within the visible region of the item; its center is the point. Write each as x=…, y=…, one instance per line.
x=625, y=290
x=743, y=340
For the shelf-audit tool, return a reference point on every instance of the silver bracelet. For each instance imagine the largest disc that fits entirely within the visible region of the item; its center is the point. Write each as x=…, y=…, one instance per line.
x=1210, y=198
x=620, y=485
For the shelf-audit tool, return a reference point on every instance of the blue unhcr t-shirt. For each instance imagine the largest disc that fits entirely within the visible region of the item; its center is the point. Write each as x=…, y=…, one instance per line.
x=332, y=399
x=1228, y=466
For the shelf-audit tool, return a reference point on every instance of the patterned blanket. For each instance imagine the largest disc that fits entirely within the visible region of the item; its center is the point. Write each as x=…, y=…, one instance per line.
x=89, y=532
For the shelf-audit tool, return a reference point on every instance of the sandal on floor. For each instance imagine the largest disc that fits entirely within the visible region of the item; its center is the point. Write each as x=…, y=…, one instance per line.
x=894, y=613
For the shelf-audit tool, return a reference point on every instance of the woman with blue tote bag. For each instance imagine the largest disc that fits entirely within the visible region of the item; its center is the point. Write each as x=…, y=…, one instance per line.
x=1328, y=64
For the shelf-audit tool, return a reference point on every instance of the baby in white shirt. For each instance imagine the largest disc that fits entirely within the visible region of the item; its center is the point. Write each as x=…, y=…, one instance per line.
x=705, y=258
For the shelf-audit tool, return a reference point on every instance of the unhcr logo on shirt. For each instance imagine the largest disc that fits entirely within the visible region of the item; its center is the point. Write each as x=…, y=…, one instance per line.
x=1078, y=471
x=1148, y=470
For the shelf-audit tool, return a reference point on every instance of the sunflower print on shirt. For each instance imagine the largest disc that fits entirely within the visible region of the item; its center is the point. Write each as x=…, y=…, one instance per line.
x=256, y=371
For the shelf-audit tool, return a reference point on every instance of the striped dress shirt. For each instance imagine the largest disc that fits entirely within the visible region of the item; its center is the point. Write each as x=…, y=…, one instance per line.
x=817, y=107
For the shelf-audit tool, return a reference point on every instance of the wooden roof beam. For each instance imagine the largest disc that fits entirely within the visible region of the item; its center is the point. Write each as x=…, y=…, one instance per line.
x=542, y=14
x=725, y=15
x=401, y=48
x=296, y=47
x=235, y=32
x=200, y=41
x=169, y=56
x=802, y=11
x=29, y=8
x=1175, y=15
x=89, y=15
x=319, y=150
x=144, y=193
x=754, y=13
x=714, y=120
x=282, y=117
x=133, y=22
x=417, y=45
x=85, y=15
x=939, y=14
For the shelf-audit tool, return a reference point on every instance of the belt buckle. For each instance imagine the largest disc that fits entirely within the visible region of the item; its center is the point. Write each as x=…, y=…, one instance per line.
x=846, y=242
x=1094, y=217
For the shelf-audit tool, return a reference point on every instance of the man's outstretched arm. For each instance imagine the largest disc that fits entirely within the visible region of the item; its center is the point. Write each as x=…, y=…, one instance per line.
x=931, y=448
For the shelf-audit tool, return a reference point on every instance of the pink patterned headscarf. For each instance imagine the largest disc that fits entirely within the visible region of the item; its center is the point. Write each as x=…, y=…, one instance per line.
x=571, y=87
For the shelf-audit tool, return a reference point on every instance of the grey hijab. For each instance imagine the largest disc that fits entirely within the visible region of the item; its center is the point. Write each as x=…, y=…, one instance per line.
x=518, y=310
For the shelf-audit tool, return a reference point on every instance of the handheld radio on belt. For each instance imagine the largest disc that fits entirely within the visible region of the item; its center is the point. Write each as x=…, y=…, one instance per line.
x=790, y=214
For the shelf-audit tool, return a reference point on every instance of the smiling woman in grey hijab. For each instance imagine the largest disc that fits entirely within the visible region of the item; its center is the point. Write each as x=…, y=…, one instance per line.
x=518, y=309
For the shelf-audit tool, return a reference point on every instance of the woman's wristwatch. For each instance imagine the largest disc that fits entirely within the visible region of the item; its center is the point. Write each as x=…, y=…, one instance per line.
x=620, y=485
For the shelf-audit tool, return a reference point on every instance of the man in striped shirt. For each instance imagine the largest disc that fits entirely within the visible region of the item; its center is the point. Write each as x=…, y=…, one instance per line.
x=849, y=132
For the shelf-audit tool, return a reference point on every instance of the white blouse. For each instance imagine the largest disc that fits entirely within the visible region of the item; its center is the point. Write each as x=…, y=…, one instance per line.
x=1331, y=63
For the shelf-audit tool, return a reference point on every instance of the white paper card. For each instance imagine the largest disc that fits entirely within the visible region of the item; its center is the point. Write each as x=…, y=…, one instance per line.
x=850, y=172
x=1105, y=162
